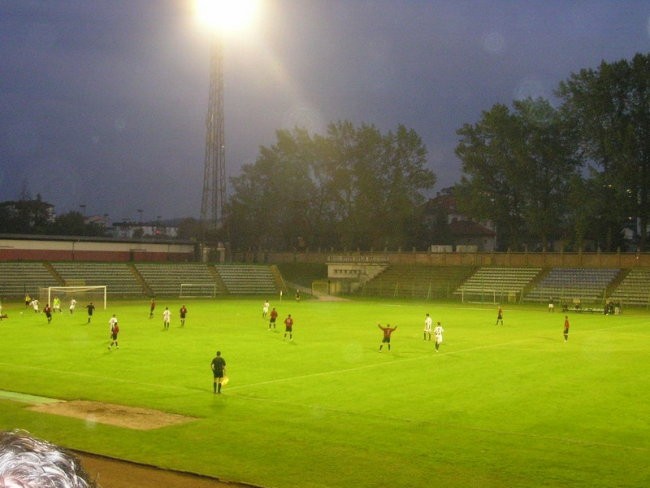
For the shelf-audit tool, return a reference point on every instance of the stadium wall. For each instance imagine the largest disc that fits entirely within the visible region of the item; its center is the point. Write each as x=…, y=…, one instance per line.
x=16, y=249
x=45, y=248
x=510, y=259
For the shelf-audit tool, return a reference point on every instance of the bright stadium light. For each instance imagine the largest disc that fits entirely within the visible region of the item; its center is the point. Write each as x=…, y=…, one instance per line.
x=225, y=16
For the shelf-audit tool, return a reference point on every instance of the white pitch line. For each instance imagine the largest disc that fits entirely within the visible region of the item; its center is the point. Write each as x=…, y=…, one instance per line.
x=416, y=358
x=374, y=365
x=311, y=375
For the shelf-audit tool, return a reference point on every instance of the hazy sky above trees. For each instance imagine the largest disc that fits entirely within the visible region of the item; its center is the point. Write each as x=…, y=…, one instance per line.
x=104, y=101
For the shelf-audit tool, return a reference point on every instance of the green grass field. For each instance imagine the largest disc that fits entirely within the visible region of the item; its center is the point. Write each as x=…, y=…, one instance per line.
x=511, y=406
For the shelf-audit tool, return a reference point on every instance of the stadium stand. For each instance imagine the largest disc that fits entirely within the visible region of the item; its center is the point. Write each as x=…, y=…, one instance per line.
x=503, y=283
x=416, y=281
x=564, y=285
x=119, y=278
x=18, y=278
x=573, y=285
x=166, y=279
x=634, y=288
x=247, y=279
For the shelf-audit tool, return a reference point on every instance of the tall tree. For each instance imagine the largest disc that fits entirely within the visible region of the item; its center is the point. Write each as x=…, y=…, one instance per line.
x=352, y=187
x=516, y=169
x=610, y=108
x=488, y=188
x=270, y=205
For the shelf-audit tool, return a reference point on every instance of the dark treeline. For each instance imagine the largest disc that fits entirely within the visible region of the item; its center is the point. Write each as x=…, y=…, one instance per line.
x=34, y=216
x=570, y=173
x=565, y=175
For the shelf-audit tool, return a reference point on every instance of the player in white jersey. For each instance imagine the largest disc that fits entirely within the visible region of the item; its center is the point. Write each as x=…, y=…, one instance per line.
x=428, y=323
x=437, y=332
x=167, y=318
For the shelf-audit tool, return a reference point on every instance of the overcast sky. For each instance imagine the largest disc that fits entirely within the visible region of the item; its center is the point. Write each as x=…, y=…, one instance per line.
x=103, y=102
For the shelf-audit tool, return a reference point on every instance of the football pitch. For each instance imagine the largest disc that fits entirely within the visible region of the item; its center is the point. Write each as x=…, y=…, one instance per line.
x=512, y=405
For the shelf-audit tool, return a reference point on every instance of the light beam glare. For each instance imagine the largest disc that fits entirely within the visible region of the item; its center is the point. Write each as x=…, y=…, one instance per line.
x=226, y=16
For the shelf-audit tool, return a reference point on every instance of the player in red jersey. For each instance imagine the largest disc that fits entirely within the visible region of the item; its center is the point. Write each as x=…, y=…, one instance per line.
x=115, y=329
x=48, y=312
x=566, y=328
x=388, y=330
x=288, y=327
x=499, y=315
x=183, y=312
x=272, y=318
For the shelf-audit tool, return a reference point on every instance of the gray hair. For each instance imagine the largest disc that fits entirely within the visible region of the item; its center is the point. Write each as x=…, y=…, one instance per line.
x=27, y=462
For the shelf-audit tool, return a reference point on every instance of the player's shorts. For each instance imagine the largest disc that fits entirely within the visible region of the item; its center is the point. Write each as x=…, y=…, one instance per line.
x=114, y=337
x=288, y=328
x=218, y=374
x=386, y=340
x=566, y=331
x=438, y=339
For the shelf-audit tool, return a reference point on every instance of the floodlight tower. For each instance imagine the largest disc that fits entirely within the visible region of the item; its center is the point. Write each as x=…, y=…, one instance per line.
x=222, y=17
x=214, y=172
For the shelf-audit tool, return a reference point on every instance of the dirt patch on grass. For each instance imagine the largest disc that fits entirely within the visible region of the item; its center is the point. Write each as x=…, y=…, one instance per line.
x=114, y=473
x=108, y=413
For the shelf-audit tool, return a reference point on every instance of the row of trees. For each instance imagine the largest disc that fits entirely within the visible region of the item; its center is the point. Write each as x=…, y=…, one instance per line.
x=574, y=173
x=34, y=216
x=353, y=187
x=568, y=173
x=543, y=174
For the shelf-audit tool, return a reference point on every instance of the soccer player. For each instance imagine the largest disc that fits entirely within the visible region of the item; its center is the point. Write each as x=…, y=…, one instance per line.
x=551, y=304
x=48, y=312
x=566, y=328
x=73, y=305
x=288, y=327
x=499, y=316
x=152, y=307
x=167, y=318
x=272, y=318
x=388, y=330
x=265, y=309
x=183, y=313
x=56, y=304
x=91, y=309
x=218, y=367
x=428, y=322
x=34, y=304
x=438, y=333
x=28, y=300
x=115, y=329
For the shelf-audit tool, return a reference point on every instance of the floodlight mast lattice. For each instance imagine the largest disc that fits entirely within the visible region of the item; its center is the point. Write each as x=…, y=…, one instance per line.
x=214, y=176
